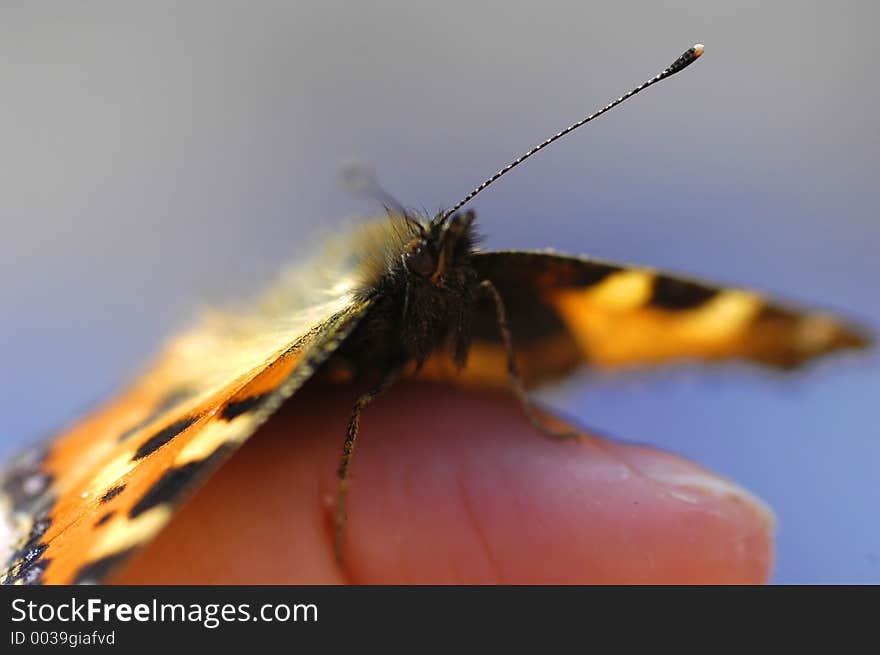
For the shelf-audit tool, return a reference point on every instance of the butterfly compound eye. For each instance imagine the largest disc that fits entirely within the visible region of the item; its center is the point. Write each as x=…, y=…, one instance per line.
x=420, y=258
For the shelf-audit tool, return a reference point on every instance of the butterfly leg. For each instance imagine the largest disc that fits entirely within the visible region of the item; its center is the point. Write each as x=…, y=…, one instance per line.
x=489, y=289
x=351, y=435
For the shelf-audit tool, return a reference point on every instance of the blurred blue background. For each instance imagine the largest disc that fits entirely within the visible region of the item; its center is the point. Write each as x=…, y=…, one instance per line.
x=161, y=156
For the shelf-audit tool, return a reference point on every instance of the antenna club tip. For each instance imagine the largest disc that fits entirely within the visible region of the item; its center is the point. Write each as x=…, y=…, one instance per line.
x=698, y=49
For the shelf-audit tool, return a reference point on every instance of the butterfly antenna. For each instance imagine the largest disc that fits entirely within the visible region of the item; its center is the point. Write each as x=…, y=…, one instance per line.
x=687, y=58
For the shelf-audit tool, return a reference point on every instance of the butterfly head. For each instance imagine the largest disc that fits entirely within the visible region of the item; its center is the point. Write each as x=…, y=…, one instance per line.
x=441, y=247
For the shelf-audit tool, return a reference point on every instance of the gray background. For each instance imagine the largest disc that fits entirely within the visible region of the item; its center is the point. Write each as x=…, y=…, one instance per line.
x=157, y=156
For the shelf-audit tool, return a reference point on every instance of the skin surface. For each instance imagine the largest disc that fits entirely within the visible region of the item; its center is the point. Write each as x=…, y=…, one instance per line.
x=452, y=486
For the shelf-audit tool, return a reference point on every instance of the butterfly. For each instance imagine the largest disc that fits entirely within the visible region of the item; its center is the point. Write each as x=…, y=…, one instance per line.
x=398, y=296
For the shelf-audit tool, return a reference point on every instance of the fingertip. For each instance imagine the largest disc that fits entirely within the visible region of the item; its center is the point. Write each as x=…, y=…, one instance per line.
x=459, y=487
x=710, y=529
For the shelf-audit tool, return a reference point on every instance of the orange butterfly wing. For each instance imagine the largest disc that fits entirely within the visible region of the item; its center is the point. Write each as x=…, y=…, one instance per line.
x=565, y=312
x=105, y=487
